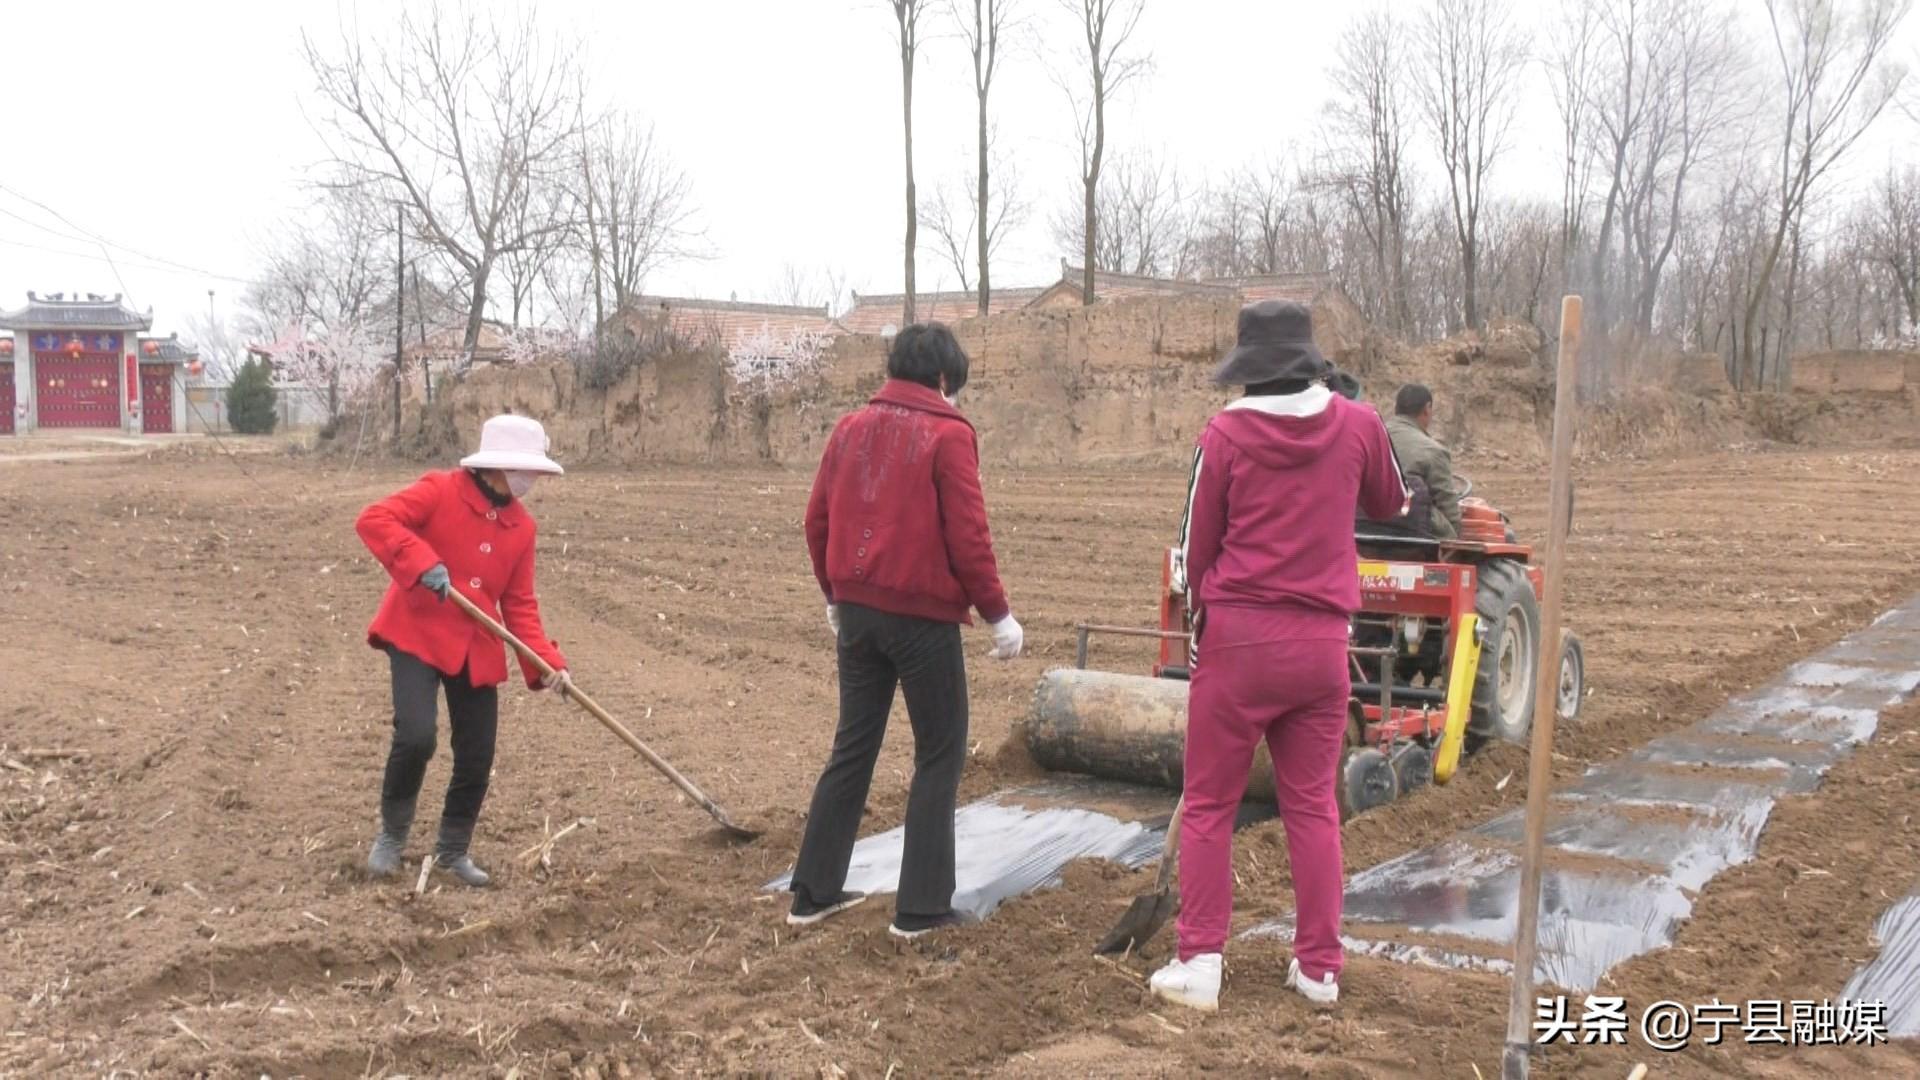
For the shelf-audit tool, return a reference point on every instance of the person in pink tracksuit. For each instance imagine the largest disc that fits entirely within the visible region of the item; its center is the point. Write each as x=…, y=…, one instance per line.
x=1271, y=579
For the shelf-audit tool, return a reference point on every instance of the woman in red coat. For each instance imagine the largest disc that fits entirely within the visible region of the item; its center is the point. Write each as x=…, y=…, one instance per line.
x=462, y=529
x=897, y=528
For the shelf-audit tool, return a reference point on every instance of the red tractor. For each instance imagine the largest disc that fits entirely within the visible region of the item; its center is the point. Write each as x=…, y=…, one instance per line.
x=1445, y=651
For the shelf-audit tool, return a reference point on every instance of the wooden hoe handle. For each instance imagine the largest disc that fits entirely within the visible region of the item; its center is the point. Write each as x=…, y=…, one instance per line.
x=587, y=703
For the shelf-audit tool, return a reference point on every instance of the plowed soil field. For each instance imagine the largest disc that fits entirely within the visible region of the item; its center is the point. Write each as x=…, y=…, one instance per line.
x=192, y=730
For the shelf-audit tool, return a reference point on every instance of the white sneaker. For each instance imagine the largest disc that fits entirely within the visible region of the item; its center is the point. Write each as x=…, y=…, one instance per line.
x=1324, y=992
x=1194, y=983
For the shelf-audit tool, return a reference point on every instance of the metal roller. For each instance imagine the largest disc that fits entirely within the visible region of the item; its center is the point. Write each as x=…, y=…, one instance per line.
x=1120, y=727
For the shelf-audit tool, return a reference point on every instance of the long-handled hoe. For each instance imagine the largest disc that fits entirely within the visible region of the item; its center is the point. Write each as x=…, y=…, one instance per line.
x=606, y=718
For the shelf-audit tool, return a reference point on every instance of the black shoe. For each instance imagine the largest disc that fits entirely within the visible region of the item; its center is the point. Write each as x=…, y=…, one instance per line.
x=805, y=912
x=908, y=927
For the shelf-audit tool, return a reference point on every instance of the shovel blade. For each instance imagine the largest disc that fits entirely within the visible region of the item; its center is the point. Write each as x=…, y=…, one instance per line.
x=1143, y=919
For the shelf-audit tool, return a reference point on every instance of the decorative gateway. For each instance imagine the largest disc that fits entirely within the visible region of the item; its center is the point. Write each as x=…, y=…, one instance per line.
x=77, y=380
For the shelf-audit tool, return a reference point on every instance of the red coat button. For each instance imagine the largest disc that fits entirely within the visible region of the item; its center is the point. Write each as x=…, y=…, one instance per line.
x=486, y=549
x=474, y=583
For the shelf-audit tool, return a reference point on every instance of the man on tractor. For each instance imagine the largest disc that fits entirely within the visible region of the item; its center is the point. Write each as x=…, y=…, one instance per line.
x=1423, y=457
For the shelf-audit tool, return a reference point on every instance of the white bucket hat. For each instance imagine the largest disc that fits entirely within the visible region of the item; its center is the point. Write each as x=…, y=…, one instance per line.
x=513, y=444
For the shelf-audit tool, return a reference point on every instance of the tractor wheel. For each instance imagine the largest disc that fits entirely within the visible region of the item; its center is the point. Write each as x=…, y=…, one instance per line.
x=1573, y=678
x=1503, y=688
x=1366, y=781
x=1412, y=767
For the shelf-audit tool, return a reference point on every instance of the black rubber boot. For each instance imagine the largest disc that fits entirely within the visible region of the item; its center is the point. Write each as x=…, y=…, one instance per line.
x=451, y=855
x=396, y=820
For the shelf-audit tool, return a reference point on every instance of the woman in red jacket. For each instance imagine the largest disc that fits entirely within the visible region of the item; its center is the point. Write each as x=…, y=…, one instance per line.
x=1271, y=580
x=462, y=529
x=897, y=528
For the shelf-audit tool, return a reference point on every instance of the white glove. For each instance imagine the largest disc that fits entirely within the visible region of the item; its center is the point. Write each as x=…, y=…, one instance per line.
x=559, y=680
x=1007, y=639
x=833, y=619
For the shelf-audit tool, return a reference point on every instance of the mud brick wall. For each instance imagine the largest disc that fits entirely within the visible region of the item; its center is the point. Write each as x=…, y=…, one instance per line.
x=1857, y=372
x=1123, y=382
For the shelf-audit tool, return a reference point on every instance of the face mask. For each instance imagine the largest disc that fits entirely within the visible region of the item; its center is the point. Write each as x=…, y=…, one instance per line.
x=520, y=483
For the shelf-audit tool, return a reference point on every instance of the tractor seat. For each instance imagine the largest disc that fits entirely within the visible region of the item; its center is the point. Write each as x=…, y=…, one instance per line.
x=1394, y=540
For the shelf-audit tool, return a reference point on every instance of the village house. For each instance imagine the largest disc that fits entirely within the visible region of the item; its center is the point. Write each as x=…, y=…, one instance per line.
x=885, y=314
x=727, y=325
x=85, y=364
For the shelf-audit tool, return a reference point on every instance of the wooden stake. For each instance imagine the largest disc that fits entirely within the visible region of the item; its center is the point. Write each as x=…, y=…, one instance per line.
x=420, y=887
x=1546, y=690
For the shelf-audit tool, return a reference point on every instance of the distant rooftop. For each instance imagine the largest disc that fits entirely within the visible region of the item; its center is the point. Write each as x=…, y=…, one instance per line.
x=59, y=312
x=167, y=349
x=729, y=324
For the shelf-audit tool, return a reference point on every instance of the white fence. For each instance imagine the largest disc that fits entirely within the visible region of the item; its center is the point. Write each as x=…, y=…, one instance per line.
x=300, y=407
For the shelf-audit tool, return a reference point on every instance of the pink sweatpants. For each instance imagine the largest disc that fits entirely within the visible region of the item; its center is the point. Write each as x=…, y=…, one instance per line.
x=1292, y=693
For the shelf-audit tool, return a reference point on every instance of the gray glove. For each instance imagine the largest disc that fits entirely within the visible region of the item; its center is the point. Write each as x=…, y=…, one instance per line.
x=437, y=580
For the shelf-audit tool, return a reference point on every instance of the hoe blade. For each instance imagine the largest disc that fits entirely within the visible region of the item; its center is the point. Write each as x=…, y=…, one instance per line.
x=1143, y=919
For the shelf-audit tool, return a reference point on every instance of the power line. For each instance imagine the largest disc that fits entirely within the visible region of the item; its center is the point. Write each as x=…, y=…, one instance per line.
x=104, y=242
x=136, y=265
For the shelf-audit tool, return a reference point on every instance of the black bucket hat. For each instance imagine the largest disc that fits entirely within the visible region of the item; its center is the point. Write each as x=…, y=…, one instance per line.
x=1276, y=342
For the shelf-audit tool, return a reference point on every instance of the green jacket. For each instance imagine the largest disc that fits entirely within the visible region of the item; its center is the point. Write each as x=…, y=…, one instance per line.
x=1422, y=455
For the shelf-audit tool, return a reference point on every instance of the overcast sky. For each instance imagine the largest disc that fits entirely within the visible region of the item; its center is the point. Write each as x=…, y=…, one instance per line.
x=179, y=133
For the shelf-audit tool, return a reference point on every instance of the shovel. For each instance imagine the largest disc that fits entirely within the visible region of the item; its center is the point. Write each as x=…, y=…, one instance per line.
x=604, y=717
x=1149, y=911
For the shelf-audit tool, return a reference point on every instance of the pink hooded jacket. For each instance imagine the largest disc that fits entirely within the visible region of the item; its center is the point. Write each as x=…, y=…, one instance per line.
x=1270, y=509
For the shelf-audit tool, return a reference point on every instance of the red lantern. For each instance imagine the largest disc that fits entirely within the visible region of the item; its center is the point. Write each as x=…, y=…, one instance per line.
x=6, y=346
x=152, y=348
x=74, y=347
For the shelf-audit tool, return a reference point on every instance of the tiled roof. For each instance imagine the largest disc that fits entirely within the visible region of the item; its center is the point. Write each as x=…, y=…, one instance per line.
x=727, y=324
x=1107, y=284
x=56, y=312
x=1301, y=288
x=445, y=343
x=167, y=350
x=873, y=314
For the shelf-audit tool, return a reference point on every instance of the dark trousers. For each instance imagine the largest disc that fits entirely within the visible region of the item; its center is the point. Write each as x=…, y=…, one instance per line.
x=474, y=716
x=877, y=652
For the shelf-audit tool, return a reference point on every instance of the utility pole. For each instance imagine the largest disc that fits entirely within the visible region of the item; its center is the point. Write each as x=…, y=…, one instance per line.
x=399, y=313
x=219, y=400
x=419, y=319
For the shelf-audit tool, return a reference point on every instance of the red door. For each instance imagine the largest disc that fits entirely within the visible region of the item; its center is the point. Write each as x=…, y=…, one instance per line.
x=6, y=399
x=80, y=391
x=156, y=399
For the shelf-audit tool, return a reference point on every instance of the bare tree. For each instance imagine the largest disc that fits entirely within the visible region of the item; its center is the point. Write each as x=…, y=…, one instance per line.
x=907, y=14
x=1572, y=57
x=456, y=116
x=982, y=29
x=1244, y=225
x=317, y=304
x=1834, y=86
x=635, y=205
x=1696, y=113
x=1369, y=164
x=524, y=267
x=824, y=288
x=1892, y=234
x=954, y=216
x=1141, y=216
x=1107, y=28
x=1474, y=55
